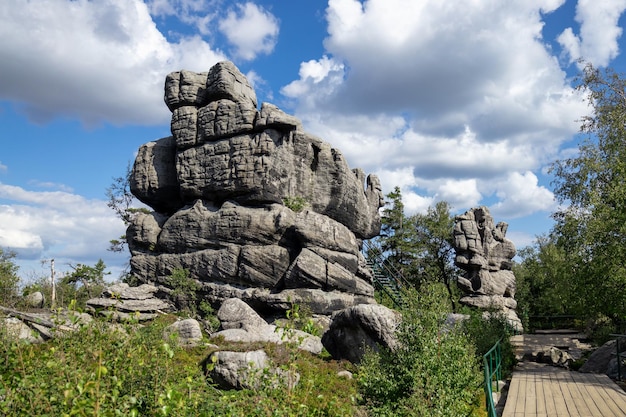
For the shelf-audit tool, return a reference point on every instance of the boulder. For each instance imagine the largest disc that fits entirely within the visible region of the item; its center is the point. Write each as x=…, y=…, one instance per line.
x=603, y=360
x=187, y=332
x=251, y=370
x=357, y=328
x=35, y=300
x=240, y=323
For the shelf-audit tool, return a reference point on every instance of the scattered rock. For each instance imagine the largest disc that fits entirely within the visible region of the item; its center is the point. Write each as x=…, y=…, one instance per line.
x=242, y=324
x=188, y=332
x=35, y=300
x=122, y=302
x=252, y=370
x=356, y=328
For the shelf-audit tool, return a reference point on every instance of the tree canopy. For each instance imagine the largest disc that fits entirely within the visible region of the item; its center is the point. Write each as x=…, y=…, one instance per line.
x=587, y=244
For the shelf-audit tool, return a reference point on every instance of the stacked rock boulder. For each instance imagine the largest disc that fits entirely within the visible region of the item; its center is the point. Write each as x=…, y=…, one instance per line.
x=250, y=204
x=486, y=256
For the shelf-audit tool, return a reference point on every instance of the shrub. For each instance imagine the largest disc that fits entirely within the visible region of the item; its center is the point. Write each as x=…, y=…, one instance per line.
x=431, y=372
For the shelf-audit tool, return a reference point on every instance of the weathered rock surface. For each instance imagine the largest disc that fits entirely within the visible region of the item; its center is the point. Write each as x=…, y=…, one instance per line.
x=187, y=332
x=357, y=328
x=603, y=360
x=221, y=188
x=35, y=299
x=240, y=323
x=252, y=370
x=486, y=256
x=122, y=302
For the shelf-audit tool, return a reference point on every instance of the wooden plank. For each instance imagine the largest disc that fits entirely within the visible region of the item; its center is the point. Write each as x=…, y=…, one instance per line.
x=612, y=395
x=512, y=396
x=580, y=401
x=530, y=405
x=548, y=394
x=592, y=391
x=540, y=384
x=559, y=396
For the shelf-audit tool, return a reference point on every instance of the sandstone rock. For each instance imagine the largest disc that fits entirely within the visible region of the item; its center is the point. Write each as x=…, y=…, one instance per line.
x=122, y=302
x=603, y=360
x=485, y=254
x=220, y=187
x=253, y=370
x=35, y=300
x=17, y=330
x=187, y=332
x=240, y=323
x=238, y=370
x=356, y=328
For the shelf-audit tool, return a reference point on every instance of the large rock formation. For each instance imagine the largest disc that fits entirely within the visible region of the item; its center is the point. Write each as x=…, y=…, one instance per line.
x=225, y=189
x=486, y=256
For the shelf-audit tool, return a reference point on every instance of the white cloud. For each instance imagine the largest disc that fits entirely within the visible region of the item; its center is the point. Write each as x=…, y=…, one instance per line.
x=251, y=29
x=97, y=61
x=453, y=95
x=599, y=32
x=521, y=195
x=3, y=168
x=56, y=224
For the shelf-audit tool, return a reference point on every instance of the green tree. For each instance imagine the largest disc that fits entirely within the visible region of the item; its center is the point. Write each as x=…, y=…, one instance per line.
x=86, y=281
x=9, y=279
x=435, y=250
x=397, y=234
x=591, y=228
x=543, y=275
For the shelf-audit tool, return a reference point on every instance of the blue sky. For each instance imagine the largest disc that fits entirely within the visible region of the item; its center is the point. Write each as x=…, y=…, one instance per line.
x=468, y=102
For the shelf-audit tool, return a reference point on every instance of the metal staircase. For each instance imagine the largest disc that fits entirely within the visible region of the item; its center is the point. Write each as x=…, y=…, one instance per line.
x=386, y=277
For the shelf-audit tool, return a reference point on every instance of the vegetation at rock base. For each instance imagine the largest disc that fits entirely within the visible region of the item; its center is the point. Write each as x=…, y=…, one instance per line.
x=9, y=279
x=130, y=370
x=434, y=370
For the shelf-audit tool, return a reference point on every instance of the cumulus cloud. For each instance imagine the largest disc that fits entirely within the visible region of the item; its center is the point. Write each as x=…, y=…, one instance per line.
x=96, y=61
x=56, y=224
x=599, y=31
x=251, y=30
x=457, y=97
x=520, y=195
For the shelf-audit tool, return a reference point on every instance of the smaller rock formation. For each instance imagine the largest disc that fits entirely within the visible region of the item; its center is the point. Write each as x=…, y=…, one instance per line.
x=486, y=256
x=122, y=302
x=186, y=333
x=361, y=327
x=251, y=370
x=240, y=323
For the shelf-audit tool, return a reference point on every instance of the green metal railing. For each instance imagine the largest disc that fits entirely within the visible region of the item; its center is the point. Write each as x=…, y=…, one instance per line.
x=619, y=354
x=492, y=361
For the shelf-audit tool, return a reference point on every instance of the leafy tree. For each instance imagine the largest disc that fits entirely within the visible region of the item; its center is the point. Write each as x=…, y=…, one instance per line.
x=86, y=281
x=435, y=249
x=543, y=275
x=591, y=228
x=9, y=279
x=419, y=246
x=397, y=235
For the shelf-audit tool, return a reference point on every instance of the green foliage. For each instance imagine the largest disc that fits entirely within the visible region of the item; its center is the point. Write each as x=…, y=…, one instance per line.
x=419, y=246
x=543, y=278
x=296, y=204
x=184, y=290
x=483, y=332
x=83, y=283
x=431, y=372
x=9, y=279
x=591, y=226
x=130, y=370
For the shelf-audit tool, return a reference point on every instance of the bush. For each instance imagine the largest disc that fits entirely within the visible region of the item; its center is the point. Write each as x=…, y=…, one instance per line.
x=130, y=370
x=431, y=372
x=484, y=331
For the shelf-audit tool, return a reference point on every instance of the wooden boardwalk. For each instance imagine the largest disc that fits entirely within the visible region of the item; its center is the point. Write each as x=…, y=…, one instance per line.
x=538, y=390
